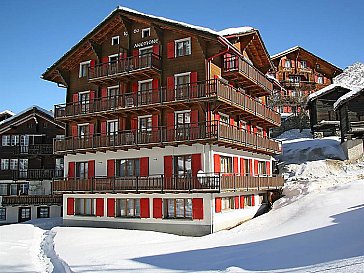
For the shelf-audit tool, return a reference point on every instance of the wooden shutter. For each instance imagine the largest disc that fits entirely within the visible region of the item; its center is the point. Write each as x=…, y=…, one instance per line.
x=110, y=167
x=197, y=208
x=155, y=122
x=251, y=167
x=196, y=164
x=100, y=207
x=253, y=200
x=157, y=208
x=136, y=58
x=156, y=49
x=134, y=123
x=170, y=50
x=91, y=128
x=74, y=130
x=217, y=163
x=71, y=169
x=170, y=126
x=256, y=168
x=218, y=204
x=144, y=208
x=103, y=128
x=91, y=169
x=242, y=201
x=144, y=166
x=110, y=207
x=168, y=166
x=236, y=202
x=155, y=91
x=75, y=97
x=242, y=167
x=236, y=165
x=193, y=85
x=232, y=122
x=70, y=206
x=170, y=88
x=194, y=134
x=248, y=128
x=92, y=95
x=268, y=168
x=217, y=116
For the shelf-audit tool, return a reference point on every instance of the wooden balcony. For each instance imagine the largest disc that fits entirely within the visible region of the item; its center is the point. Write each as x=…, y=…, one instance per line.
x=147, y=65
x=160, y=183
x=254, y=81
x=212, y=90
x=32, y=149
x=214, y=132
x=23, y=200
x=30, y=174
x=302, y=85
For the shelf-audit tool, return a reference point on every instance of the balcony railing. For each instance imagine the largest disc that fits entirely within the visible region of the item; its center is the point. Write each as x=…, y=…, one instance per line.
x=207, y=90
x=214, y=131
x=160, y=183
x=249, y=72
x=31, y=200
x=36, y=174
x=125, y=66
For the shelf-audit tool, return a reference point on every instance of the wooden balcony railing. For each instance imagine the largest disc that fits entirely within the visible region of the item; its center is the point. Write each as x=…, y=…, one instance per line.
x=35, y=149
x=235, y=64
x=214, y=131
x=31, y=200
x=124, y=67
x=36, y=174
x=206, y=90
x=160, y=183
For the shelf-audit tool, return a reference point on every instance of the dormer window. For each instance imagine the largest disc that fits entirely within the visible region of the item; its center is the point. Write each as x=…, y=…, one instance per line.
x=115, y=40
x=84, y=69
x=145, y=32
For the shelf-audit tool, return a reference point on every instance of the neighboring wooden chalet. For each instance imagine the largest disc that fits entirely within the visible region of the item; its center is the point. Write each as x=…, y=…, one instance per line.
x=323, y=118
x=5, y=115
x=28, y=165
x=165, y=122
x=301, y=73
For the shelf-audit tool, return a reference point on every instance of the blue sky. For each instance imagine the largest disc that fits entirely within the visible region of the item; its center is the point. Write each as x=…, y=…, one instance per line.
x=34, y=34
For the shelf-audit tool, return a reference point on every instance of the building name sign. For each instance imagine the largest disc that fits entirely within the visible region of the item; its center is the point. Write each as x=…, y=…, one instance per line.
x=146, y=43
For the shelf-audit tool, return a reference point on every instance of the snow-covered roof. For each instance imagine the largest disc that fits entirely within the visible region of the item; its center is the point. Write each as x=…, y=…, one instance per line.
x=49, y=113
x=8, y=112
x=352, y=94
x=284, y=52
x=235, y=31
x=323, y=91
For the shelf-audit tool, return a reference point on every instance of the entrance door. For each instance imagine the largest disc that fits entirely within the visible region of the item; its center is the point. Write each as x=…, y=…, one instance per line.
x=24, y=214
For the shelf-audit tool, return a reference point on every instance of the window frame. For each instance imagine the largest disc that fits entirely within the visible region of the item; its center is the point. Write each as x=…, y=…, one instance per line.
x=113, y=38
x=84, y=200
x=186, y=172
x=5, y=139
x=3, y=166
x=146, y=29
x=136, y=167
x=228, y=166
x=176, y=42
x=80, y=74
x=39, y=213
x=187, y=214
x=135, y=206
x=2, y=214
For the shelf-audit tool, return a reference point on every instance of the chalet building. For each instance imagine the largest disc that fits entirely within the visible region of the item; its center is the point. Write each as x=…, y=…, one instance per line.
x=301, y=73
x=5, y=115
x=27, y=166
x=166, y=126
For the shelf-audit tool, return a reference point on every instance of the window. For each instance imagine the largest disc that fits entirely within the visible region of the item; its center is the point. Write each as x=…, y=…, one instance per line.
x=14, y=140
x=3, y=189
x=318, y=66
x=227, y=203
x=83, y=130
x=182, y=165
x=23, y=168
x=24, y=140
x=13, y=164
x=115, y=40
x=182, y=121
x=247, y=200
x=84, y=101
x=145, y=56
x=5, y=140
x=303, y=64
x=24, y=188
x=43, y=212
x=59, y=167
x=247, y=167
x=85, y=206
x=24, y=214
x=113, y=58
x=2, y=214
x=145, y=91
x=145, y=123
x=320, y=80
x=84, y=69
x=262, y=168
x=183, y=47
x=128, y=207
x=287, y=64
x=30, y=125
x=178, y=208
x=13, y=189
x=182, y=82
x=242, y=124
x=145, y=32
x=294, y=79
x=259, y=131
x=127, y=167
x=4, y=164
x=112, y=127
x=82, y=170
x=226, y=164
x=225, y=119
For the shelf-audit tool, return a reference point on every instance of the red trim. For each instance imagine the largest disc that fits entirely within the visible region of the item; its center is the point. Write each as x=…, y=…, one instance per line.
x=236, y=165
x=218, y=204
x=75, y=97
x=197, y=208
x=71, y=169
x=144, y=208
x=196, y=164
x=70, y=206
x=170, y=50
x=242, y=166
x=91, y=169
x=100, y=207
x=242, y=200
x=155, y=91
x=253, y=200
x=144, y=166
x=236, y=202
x=256, y=168
x=157, y=208
x=217, y=163
x=91, y=129
x=268, y=168
x=110, y=207
x=74, y=130
x=168, y=166
x=110, y=167
x=103, y=128
x=156, y=49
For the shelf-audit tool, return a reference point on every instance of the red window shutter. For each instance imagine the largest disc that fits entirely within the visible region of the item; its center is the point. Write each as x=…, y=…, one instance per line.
x=155, y=91
x=144, y=166
x=134, y=124
x=218, y=204
x=110, y=167
x=103, y=128
x=91, y=128
x=253, y=200
x=170, y=50
x=236, y=165
x=256, y=170
x=249, y=128
x=155, y=122
x=236, y=202
x=92, y=95
x=99, y=206
x=170, y=126
x=251, y=166
x=104, y=92
x=92, y=63
x=193, y=77
x=134, y=87
x=170, y=88
x=91, y=169
x=168, y=166
x=193, y=85
x=196, y=164
x=157, y=208
x=268, y=168
x=242, y=167
x=242, y=201
x=197, y=208
x=194, y=118
x=144, y=208
x=264, y=132
x=217, y=163
x=75, y=97
x=232, y=122
x=71, y=169
x=70, y=206
x=135, y=53
x=105, y=60
x=217, y=116
x=156, y=49
x=74, y=131
x=255, y=129
x=110, y=207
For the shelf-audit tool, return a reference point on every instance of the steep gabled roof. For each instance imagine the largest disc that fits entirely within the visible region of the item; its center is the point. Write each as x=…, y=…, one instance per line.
x=356, y=91
x=29, y=112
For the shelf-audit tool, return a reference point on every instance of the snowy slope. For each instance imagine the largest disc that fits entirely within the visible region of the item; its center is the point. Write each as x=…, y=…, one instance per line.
x=317, y=227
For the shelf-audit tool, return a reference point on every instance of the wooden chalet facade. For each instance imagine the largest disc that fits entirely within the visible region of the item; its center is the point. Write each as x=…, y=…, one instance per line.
x=301, y=73
x=164, y=121
x=28, y=165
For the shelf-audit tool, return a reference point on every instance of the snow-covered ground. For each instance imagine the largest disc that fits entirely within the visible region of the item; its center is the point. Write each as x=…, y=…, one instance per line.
x=317, y=227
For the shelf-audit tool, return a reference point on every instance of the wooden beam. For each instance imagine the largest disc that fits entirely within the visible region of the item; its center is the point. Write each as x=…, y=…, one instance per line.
x=65, y=75
x=97, y=49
